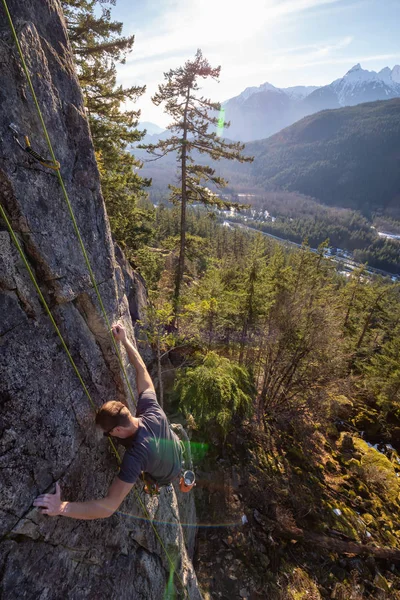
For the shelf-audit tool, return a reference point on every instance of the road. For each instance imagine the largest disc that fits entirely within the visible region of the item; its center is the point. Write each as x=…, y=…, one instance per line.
x=347, y=263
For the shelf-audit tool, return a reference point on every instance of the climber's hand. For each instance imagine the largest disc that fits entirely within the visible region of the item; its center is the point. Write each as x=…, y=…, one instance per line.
x=119, y=332
x=50, y=504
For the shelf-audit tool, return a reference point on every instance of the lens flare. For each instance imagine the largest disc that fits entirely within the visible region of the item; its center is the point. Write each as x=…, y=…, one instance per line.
x=198, y=450
x=210, y=485
x=169, y=593
x=221, y=122
x=204, y=525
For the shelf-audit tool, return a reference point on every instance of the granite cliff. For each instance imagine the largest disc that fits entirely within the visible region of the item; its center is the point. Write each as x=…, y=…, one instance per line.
x=47, y=430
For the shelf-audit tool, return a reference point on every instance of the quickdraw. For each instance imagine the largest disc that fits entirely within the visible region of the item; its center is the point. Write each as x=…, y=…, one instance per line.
x=48, y=163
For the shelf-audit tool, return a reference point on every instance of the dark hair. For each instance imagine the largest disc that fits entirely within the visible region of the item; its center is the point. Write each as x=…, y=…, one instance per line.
x=112, y=414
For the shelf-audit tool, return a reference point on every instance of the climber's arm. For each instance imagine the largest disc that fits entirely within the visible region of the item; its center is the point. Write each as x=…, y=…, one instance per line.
x=143, y=379
x=52, y=505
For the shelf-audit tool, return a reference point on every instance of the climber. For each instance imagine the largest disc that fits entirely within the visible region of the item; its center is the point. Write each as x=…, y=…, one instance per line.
x=151, y=446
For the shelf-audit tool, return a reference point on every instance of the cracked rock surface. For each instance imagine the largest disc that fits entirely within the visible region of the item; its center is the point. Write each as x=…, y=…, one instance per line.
x=47, y=430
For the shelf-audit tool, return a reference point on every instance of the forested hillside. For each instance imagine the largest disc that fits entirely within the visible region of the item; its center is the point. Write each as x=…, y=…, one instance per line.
x=297, y=218
x=288, y=374
x=347, y=157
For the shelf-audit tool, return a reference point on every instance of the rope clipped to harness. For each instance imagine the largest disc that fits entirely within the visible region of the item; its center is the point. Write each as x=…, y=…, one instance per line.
x=45, y=162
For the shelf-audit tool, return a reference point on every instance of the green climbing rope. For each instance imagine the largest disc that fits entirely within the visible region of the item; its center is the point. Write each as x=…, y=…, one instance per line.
x=48, y=311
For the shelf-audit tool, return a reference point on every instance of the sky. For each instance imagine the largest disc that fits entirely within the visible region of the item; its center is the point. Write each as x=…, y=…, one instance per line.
x=284, y=42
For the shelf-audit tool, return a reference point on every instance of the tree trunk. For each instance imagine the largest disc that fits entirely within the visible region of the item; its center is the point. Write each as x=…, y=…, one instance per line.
x=332, y=544
x=182, y=247
x=248, y=317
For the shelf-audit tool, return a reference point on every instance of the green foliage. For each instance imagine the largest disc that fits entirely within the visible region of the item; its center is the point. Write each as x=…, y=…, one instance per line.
x=383, y=372
x=157, y=322
x=378, y=472
x=97, y=45
x=214, y=391
x=371, y=310
x=381, y=254
x=151, y=265
x=288, y=316
x=343, y=228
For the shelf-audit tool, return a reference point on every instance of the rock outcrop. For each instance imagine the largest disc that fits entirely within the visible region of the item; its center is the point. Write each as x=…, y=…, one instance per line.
x=47, y=430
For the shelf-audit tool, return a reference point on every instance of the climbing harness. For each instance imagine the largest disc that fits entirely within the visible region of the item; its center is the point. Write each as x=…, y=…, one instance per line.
x=54, y=166
x=150, y=486
x=45, y=162
x=187, y=481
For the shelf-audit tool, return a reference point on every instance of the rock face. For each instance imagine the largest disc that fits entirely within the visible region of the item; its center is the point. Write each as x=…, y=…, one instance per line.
x=47, y=430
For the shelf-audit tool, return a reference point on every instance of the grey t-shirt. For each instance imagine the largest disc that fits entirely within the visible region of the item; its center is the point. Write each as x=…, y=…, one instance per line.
x=154, y=448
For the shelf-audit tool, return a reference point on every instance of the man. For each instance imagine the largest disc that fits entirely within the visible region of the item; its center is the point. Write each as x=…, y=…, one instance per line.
x=152, y=447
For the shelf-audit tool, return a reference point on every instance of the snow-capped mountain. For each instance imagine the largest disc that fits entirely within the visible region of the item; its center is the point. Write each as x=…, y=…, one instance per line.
x=297, y=91
x=259, y=112
x=256, y=90
x=395, y=74
x=360, y=85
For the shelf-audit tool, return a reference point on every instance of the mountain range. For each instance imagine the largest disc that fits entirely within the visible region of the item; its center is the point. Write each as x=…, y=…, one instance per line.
x=344, y=152
x=348, y=157
x=259, y=112
x=151, y=128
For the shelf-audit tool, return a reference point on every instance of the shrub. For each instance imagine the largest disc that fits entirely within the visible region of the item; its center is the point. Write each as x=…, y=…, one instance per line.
x=214, y=391
x=378, y=472
x=300, y=587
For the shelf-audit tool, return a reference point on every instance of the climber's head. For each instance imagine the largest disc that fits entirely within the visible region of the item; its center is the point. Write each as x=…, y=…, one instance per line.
x=115, y=419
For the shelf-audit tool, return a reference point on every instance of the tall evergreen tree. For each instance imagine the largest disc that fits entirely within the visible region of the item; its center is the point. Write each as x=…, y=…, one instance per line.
x=193, y=129
x=98, y=45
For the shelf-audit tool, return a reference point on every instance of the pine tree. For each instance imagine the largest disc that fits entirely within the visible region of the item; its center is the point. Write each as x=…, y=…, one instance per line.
x=215, y=390
x=253, y=301
x=383, y=373
x=193, y=116
x=98, y=45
